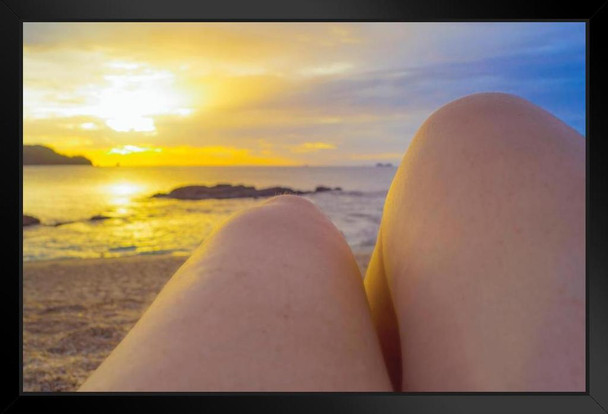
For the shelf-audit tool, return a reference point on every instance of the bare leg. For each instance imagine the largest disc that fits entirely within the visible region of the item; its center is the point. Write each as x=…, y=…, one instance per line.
x=383, y=313
x=482, y=250
x=272, y=301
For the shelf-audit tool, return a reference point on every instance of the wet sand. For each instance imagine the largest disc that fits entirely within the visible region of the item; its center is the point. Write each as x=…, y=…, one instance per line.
x=76, y=311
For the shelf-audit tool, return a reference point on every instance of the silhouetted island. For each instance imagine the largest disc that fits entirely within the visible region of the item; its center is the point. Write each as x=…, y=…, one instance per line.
x=388, y=164
x=41, y=155
x=222, y=191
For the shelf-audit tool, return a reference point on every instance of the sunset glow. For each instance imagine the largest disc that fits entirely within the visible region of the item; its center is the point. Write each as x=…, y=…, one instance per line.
x=134, y=94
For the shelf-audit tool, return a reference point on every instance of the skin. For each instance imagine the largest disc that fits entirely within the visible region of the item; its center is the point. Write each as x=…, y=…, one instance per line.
x=476, y=283
x=272, y=301
x=478, y=277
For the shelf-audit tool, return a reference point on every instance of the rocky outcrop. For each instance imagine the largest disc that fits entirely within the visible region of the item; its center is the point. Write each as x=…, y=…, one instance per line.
x=30, y=220
x=99, y=217
x=224, y=191
x=321, y=189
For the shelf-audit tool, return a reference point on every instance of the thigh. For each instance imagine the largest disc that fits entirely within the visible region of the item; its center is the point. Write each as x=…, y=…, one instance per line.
x=272, y=301
x=483, y=246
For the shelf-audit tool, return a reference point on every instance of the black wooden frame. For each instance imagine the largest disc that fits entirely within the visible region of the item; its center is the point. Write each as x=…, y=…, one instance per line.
x=13, y=13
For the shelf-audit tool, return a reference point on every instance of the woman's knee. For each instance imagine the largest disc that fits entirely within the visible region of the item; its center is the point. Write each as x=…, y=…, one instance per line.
x=285, y=230
x=284, y=217
x=480, y=162
x=486, y=212
x=248, y=303
x=490, y=143
x=495, y=129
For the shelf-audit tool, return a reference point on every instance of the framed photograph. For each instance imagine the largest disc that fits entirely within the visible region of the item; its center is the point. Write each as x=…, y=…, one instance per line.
x=306, y=207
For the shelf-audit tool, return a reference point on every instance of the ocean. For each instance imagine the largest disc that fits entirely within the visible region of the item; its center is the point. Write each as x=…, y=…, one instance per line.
x=65, y=198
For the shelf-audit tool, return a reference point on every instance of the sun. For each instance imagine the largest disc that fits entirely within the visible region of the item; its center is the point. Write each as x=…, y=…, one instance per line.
x=131, y=98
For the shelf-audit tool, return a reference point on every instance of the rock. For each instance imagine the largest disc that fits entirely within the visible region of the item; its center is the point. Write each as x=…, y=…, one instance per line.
x=98, y=217
x=225, y=191
x=30, y=220
x=274, y=191
x=321, y=189
x=61, y=223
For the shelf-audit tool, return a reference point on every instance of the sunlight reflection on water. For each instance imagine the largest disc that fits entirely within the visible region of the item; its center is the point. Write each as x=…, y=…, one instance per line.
x=131, y=222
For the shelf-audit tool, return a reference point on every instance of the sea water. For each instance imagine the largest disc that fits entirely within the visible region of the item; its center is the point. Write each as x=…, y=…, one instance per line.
x=65, y=198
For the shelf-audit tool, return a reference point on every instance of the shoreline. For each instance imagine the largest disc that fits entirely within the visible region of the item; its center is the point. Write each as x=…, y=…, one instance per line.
x=75, y=311
x=91, y=260
x=360, y=253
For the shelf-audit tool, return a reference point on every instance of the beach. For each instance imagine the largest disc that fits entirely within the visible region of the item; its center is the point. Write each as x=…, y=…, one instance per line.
x=76, y=311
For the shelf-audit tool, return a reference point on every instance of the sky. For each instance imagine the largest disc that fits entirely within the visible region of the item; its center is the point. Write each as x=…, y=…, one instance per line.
x=279, y=93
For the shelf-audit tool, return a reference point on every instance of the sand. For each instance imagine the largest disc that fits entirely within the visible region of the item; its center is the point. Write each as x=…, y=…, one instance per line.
x=76, y=311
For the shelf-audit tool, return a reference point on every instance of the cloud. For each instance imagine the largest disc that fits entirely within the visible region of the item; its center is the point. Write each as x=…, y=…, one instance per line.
x=130, y=149
x=313, y=147
x=327, y=70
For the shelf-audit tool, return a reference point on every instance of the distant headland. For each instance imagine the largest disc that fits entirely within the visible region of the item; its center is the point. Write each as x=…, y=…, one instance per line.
x=41, y=155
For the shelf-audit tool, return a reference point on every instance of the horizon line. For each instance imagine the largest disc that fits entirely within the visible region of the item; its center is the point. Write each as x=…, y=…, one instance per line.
x=372, y=164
